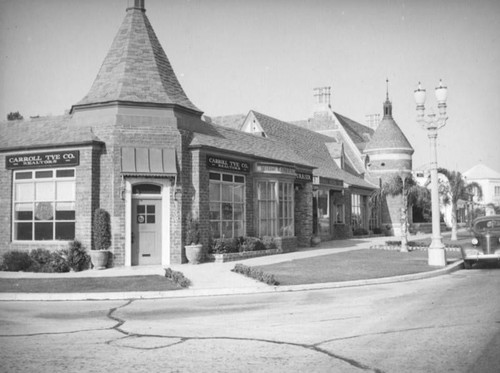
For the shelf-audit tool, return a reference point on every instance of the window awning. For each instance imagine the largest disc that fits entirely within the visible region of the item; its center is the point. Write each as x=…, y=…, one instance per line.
x=159, y=162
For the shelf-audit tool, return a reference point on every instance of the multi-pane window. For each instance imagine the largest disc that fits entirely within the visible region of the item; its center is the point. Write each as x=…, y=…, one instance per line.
x=356, y=217
x=266, y=196
x=285, y=208
x=227, y=205
x=44, y=205
x=275, y=208
x=497, y=191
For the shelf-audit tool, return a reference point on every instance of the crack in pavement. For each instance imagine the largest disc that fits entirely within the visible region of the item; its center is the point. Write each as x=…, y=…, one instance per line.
x=52, y=333
x=182, y=339
x=109, y=315
x=393, y=332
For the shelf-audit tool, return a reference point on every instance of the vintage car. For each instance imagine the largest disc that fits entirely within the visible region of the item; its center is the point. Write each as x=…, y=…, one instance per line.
x=485, y=246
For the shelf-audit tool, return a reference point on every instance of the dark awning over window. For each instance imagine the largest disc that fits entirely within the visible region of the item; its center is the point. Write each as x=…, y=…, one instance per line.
x=158, y=162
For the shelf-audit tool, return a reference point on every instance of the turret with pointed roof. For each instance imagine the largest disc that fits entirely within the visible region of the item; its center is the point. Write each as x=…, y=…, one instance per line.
x=388, y=151
x=136, y=70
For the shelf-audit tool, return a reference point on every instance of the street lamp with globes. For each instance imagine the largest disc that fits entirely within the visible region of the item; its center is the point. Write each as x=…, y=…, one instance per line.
x=436, y=251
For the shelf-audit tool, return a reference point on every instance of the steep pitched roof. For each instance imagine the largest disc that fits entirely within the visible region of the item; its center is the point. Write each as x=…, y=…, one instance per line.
x=231, y=121
x=359, y=134
x=481, y=171
x=136, y=69
x=388, y=136
x=44, y=132
x=309, y=145
x=233, y=140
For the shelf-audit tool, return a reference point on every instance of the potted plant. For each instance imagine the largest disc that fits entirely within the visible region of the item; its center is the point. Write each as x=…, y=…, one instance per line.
x=194, y=250
x=315, y=240
x=102, y=239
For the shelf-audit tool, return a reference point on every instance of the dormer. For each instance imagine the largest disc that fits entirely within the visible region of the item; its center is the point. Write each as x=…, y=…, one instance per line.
x=252, y=125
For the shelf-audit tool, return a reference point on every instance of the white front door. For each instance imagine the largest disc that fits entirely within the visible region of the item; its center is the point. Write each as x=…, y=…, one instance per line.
x=146, y=231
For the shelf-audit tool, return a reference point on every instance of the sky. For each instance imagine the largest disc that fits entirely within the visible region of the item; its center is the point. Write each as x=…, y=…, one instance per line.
x=233, y=56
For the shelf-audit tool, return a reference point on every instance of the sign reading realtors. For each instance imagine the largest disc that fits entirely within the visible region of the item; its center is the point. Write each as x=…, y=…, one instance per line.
x=301, y=176
x=51, y=159
x=227, y=164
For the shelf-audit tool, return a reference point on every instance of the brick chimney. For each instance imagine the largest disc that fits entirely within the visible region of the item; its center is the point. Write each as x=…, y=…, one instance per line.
x=322, y=107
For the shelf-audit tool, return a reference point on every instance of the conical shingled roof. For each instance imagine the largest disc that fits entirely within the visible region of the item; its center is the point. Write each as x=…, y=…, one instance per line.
x=388, y=135
x=136, y=69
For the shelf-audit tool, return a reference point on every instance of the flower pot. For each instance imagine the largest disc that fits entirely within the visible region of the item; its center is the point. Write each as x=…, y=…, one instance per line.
x=194, y=253
x=99, y=258
x=316, y=240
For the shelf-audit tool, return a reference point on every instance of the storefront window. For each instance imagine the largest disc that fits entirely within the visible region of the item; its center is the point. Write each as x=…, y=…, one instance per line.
x=275, y=209
x=323, y=203
x=44, y=205
x=286, y=225
x=356, y=216
x=227, y=205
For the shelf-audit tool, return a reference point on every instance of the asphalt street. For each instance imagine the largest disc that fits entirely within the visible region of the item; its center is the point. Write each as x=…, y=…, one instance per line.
x=444, y=324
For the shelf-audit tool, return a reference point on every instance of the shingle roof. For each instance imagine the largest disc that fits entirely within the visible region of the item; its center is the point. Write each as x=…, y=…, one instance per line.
x=359, y=134
x=309, y=145
x=43, y=132
x=388, y=136
x=233, y=140
x=136, y=69
x=231, y=121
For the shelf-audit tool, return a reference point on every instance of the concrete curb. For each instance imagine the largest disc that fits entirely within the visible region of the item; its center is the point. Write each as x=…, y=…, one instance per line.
x=187, y=293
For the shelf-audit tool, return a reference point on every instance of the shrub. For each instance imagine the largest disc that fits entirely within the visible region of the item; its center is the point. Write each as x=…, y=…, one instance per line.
x=255, y=273
x=40, y=258
x=377, y=230
x=102, y=230
x=43, y=260
x=16, y=260
x=177, y=277
x=223, y=246
x=393, y=243
x=193, y=232
x=269, y=243
x=360, y=232
x=253, y=244
x=77, y=258
x=58, y=262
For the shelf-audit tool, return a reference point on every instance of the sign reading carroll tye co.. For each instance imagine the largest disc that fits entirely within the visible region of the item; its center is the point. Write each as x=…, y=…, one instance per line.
x=227, y=164
x=50, y=159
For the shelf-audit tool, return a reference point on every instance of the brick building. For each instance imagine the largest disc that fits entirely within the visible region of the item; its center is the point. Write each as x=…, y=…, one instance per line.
x=137, y=147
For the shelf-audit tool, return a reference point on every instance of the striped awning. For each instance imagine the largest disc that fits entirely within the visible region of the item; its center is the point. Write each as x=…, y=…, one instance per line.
x=159, y=162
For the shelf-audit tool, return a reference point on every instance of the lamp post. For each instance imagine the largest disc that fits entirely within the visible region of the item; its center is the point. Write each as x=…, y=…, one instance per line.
x=436, y=251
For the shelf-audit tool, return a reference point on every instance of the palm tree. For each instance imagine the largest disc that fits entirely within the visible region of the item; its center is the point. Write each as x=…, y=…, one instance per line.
x=411, y=193
x=456, y=189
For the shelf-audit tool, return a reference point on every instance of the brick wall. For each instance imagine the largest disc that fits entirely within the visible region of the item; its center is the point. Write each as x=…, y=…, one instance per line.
x=6, y=202
x=85, y=199
x=303, y=214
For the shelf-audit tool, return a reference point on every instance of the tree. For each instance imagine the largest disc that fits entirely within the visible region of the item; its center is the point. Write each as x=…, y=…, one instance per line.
x=14, y=116
x=457, y=188
x=411, y=193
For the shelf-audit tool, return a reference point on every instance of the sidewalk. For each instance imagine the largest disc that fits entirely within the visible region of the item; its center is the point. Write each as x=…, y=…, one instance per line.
x=216, y=278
